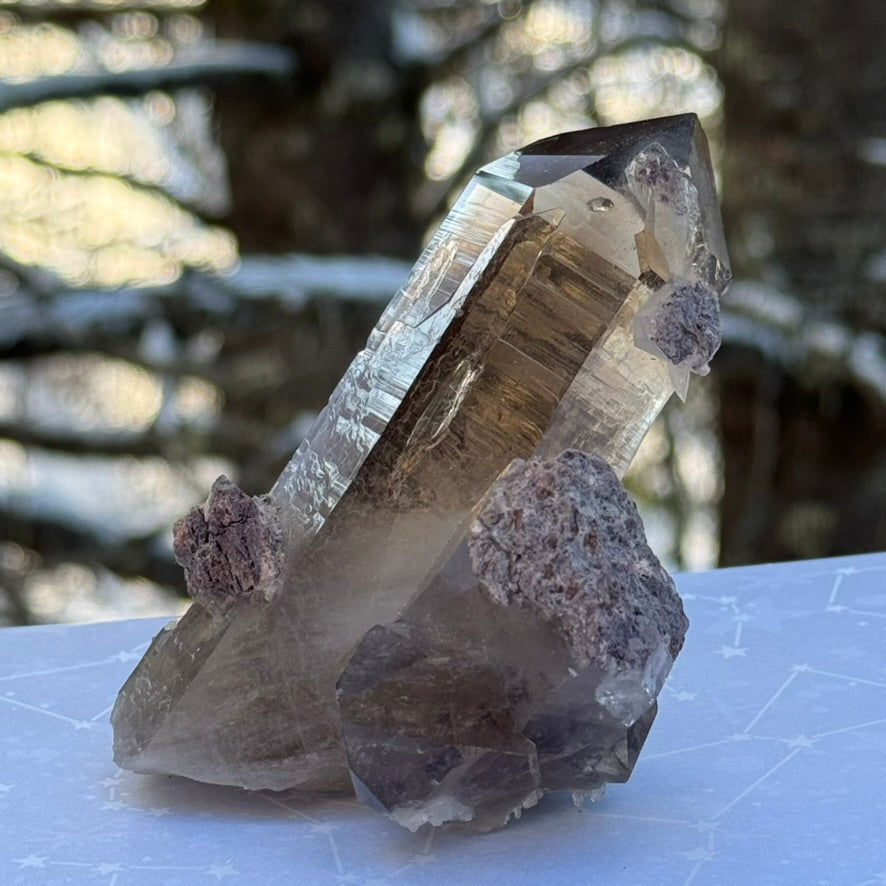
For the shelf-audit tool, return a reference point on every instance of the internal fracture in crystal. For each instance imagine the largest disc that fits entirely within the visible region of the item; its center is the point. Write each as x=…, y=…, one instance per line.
x=571, y=289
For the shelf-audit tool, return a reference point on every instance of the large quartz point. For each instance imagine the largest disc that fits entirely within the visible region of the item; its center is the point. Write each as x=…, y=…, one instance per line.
x=530, y=663
x=570, y=290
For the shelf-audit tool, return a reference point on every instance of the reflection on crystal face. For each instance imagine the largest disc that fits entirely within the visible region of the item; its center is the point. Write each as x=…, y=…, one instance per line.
x=515, y=334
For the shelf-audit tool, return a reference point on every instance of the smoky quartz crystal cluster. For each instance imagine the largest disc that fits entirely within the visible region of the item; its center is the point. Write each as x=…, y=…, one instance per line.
x=447, y=602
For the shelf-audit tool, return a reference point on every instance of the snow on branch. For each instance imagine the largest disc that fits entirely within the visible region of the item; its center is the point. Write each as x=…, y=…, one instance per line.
x=39, y=312
x=778, y=326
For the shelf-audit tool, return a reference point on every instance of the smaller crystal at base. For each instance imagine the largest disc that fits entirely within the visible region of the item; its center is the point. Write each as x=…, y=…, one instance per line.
x=530, y=663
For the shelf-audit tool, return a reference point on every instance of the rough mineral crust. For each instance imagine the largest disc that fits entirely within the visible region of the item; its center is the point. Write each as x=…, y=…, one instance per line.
x=530, y=663
x=681, y=323
x=230, y=548
x=514, y=335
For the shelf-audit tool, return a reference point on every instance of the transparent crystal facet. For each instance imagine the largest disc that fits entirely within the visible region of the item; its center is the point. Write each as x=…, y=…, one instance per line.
x=515, y=334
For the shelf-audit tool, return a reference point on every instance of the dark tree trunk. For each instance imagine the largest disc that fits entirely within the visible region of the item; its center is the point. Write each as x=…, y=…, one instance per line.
x=327, y=164
x=805, y=210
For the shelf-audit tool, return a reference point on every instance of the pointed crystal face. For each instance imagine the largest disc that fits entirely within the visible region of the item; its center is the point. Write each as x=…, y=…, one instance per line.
x=662, y=167
x=569, y=291
x=430, y=731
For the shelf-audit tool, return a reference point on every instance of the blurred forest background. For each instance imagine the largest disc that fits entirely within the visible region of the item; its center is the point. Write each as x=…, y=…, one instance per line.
x=204, y=207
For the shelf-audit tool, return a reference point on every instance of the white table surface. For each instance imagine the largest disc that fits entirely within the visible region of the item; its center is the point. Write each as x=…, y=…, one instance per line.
x=767, y=764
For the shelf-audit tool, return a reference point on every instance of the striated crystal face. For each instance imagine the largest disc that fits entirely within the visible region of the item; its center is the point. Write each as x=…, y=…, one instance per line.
x=568, y=293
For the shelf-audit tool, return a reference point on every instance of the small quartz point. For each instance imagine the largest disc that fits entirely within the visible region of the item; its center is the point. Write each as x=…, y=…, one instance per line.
x=530, y=663
x=519, y=332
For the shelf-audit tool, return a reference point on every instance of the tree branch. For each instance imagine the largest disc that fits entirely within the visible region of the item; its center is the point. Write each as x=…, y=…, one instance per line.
x=44, y=9
x=217, y=64
x=60, y=542
x=779, y=328
x=236, y=438
x=57, y=317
